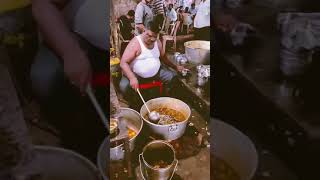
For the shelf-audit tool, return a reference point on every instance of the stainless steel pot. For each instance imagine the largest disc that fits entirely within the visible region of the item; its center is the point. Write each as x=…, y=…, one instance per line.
x=103, y=158
x=170, y=131
x=149, y=154
x=134, y=122
x=235, y=148
x=198, y=52
x=105, y=153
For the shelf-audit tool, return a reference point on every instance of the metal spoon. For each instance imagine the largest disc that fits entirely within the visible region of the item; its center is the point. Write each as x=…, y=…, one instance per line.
x=153, y=115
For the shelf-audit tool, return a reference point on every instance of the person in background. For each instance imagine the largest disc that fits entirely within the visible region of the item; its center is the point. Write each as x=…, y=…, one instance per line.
x=187, y=20
x=193, y=10
x=180, y=15
x=143, y=16
x=126, y=25
x=202, y=21
x=126, y=28
x=158, y=10
x=172, y=14
x=141, y=63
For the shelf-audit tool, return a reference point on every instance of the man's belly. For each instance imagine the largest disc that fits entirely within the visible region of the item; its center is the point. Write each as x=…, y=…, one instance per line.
x=146, y=69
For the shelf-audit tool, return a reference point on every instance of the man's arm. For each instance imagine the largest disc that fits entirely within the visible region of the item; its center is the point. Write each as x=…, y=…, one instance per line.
x=164, y=58
x=130, y=53
x=57, y=35
x=52, y=25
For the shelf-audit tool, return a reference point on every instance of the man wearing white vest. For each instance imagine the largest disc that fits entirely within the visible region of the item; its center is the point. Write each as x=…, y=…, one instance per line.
x=141, y=62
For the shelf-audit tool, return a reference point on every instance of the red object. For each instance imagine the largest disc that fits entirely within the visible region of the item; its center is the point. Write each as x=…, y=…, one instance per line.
x=100, y=80
x=152, y=85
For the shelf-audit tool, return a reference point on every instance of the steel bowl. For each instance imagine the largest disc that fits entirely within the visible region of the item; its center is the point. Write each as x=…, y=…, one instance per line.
x=169, y=131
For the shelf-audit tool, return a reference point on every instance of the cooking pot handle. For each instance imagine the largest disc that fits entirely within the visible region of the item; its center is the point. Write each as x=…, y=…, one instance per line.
x=175, y=168
x=140, y=161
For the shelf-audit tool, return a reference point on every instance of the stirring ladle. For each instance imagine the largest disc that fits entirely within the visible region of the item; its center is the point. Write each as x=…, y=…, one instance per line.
x=153, y=115
x=97, y=106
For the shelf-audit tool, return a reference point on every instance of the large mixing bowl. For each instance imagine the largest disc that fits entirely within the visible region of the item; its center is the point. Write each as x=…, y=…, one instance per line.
x=198, y=52
x=235, y=148
x=134, y=122
x=169, y=131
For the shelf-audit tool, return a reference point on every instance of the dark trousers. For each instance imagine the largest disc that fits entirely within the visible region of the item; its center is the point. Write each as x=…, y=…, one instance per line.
x=160, y=18
x=63, y=104
x=165, y=75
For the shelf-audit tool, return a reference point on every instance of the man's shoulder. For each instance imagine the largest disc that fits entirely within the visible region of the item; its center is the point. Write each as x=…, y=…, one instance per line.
x=134, y=41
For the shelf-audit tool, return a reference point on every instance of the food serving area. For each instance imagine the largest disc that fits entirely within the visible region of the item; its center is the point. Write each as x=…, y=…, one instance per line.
x=192, y=148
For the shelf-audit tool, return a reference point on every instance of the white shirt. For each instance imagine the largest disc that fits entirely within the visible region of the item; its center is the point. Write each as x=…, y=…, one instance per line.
x=193, y=11
x=202, y=18
x=147, y=64
x=172, y=15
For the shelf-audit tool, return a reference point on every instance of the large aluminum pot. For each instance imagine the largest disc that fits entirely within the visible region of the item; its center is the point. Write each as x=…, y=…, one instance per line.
x=197, y=52
x=63, y=164
x=170, y=131
x=134, y=122
x=235, y=148
x=103, y=158
x=105, y=153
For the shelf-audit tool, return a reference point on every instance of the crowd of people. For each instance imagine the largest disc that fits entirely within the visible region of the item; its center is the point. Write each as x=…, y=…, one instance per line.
x=195, y=19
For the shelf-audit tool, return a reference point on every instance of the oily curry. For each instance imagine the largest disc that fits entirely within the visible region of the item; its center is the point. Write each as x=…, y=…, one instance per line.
x=114, y=128
x=168, y=116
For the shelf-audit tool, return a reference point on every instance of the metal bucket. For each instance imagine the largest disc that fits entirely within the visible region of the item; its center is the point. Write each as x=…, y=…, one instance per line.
x=198, y=52
x=169, y=131
x=153, y=153
x=103, y=158
x=134, y=122
x=235, y=148
x=57, y=163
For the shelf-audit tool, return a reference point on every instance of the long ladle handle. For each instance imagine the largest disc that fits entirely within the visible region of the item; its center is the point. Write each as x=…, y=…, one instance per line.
x=97, y=106
x=143, y=100
x=114, y=99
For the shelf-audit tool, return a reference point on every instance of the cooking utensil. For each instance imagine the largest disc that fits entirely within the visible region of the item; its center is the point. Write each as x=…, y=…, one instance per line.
x=150, y=153
x=123, y=136
x=232, y=146
x=185, y=72
x=153, y=115
x=63, y=165
x=97, y=107
x=134, y=122
x=168, y=131
x=198, y=52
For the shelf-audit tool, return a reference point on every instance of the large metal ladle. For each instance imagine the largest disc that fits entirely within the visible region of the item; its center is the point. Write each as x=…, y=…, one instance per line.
x=153, y=115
